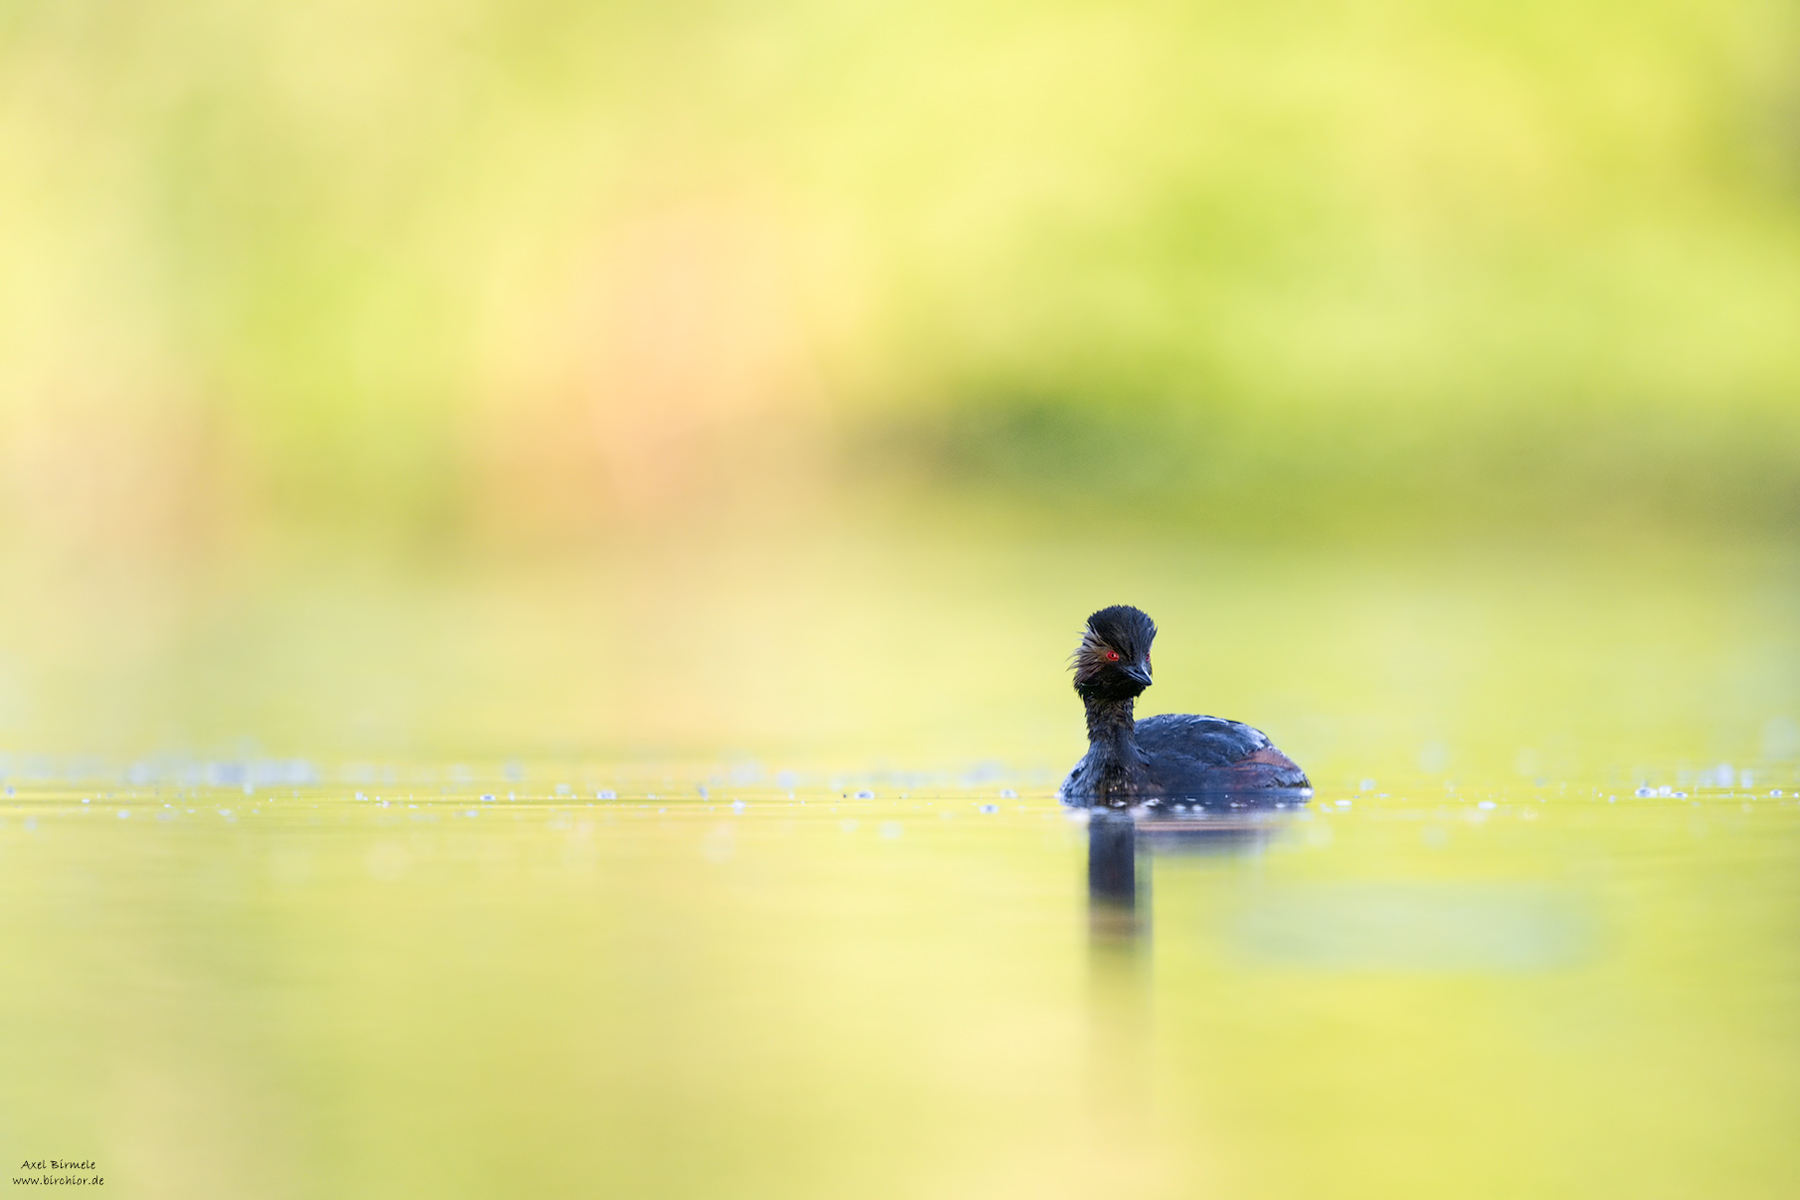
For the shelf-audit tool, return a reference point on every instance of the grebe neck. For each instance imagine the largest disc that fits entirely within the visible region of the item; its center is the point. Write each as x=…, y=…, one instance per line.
x=1113, y=754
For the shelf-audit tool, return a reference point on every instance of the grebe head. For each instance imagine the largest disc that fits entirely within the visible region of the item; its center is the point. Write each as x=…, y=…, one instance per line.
x=1113, y=660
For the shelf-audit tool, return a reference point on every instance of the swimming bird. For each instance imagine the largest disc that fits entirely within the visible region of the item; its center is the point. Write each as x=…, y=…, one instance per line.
x=1170, y=759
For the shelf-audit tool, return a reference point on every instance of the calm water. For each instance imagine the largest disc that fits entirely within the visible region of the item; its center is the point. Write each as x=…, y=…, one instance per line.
x=401, y=988
x=1479, y=963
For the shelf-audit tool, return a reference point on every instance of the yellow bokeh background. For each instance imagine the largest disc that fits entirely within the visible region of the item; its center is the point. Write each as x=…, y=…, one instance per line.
x=365, y=368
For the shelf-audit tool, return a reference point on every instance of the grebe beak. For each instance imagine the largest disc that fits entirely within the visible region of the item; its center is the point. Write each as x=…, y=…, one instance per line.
x=1139, y=673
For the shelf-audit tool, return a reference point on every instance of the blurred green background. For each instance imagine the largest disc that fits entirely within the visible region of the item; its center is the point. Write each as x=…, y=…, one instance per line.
x=405, y=402
x=618, y=379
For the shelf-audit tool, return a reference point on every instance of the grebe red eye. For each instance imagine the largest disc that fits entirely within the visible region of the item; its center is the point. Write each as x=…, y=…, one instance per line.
x=1112, y=656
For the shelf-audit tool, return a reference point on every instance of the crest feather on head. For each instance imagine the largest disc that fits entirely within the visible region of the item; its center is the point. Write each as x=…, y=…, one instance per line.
x=1122, y=628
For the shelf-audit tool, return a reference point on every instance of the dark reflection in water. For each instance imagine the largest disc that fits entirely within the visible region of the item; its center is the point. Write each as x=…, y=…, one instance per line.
x=1122, y=843
x=1121, y=848
x=1112, y=873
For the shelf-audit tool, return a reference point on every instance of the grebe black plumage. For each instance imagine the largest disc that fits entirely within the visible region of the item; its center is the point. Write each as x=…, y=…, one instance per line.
x=1170, y=759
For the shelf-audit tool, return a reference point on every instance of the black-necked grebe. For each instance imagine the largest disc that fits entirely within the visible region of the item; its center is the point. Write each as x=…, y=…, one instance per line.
x=1160, y=760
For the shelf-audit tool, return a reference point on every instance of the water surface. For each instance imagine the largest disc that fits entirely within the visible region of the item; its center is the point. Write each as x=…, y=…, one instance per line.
x=411, y=989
